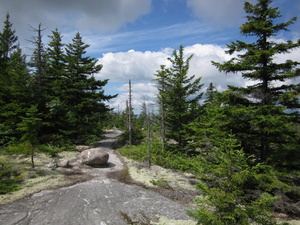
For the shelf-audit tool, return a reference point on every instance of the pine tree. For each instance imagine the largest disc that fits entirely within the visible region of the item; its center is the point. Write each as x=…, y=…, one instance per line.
x=272, y=93
x=180, y=96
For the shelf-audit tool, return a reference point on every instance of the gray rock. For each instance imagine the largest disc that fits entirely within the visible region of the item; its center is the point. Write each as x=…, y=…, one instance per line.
x=81, y=148
x=63, y=163
x=94, y=157
x=52, y=165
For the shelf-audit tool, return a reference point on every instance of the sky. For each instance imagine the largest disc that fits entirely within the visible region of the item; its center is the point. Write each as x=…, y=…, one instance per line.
x=132, y=38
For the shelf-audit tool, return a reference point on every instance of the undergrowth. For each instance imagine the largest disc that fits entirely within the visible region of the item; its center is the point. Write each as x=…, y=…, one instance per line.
x=10, y=177
x=181, y=162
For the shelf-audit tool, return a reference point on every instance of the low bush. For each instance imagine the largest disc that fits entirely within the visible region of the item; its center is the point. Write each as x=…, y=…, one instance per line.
x=10, y=178
x=166, y=159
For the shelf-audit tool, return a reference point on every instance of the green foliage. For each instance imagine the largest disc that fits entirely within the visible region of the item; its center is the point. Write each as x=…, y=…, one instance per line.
x=17, y=148
x=178, y=95
x=51, y=150
x=160, y=183
x=30, y=126
x=166, y=159
x=273, y=91
x=65, y=101
x=10, y=178
x=225, y=201
x=137, y=135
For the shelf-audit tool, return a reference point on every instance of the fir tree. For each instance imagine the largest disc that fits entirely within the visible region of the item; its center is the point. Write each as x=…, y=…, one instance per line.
x=14, y=80
x=225, y=201
x=8, y=40
x=179, y=95
x=272, y=92
x=84, y=96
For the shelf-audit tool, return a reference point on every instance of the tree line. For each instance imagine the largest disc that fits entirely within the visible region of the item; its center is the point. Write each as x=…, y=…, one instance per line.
x=263, y=117
x=242, y=143
x=53, y=97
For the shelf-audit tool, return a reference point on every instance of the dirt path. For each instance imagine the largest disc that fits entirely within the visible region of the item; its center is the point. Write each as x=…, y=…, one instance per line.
x=103, y=200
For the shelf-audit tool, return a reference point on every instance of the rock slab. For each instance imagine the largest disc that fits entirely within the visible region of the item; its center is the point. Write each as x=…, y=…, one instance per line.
x=94, y=157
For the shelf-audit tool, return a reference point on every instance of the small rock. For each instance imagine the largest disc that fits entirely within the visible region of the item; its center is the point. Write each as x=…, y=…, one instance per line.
x=94, y=157
x=81, y=148
x=52, y=165
x=63, y=163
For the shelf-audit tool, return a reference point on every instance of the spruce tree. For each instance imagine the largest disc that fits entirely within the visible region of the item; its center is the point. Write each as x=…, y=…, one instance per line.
x=55, y=64
x=8, y=40
x=224, y=200
x=180, y=96
x=14, y=80
x=84, y=95
x=161, y=86
x=55, y=71
x=272, y=92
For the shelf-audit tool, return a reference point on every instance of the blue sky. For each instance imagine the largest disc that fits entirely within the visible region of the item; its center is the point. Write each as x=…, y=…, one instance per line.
x=132, y=38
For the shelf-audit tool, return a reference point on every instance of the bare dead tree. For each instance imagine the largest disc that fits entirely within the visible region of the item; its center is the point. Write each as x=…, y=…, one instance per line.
x=130, y=116
x=37, y=60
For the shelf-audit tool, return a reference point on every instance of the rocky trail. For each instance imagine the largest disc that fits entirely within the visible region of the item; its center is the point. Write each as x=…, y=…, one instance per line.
x=102, y=196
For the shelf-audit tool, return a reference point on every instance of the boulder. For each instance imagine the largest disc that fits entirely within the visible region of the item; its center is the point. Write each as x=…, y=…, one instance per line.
x=81, y=148
x=94, y=157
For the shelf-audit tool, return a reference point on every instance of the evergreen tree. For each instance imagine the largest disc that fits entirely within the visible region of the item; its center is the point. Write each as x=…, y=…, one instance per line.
x=180, y=96
x=84, y=96
x=56, y=63
x=225, y=201
x=14, y=80
x=56, y=79
x=8, y=41
x=210, y=93
x=161, y=85
x=271, y=88
x=29, y=126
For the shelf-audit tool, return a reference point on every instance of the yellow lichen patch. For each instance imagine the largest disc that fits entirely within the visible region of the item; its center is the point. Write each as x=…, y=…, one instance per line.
x=35, y=185
x=166, y=221
x=41, y=177
x=145, y=175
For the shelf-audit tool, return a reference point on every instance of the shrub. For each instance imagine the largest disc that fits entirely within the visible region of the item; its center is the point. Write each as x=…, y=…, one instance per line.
x=226, y=202
x=10, y=178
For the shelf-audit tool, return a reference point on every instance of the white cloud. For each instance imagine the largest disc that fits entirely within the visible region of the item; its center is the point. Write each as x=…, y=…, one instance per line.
x=134, y=65
x=140, y=67
x=141, y=92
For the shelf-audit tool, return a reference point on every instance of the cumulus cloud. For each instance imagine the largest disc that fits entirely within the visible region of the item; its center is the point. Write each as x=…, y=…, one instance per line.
x=141, y=92
x=140, y=67
x=134, y=65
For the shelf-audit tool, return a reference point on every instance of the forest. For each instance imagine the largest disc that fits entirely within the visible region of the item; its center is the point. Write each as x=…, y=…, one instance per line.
x=243, y=144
